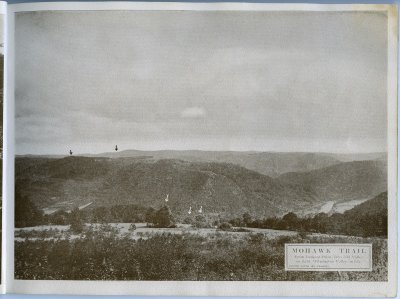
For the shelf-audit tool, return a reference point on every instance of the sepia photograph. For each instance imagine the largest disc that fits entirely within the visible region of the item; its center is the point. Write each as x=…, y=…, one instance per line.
x=201, y=145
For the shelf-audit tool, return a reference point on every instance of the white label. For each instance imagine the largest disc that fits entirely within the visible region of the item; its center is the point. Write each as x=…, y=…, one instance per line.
x=328, y=257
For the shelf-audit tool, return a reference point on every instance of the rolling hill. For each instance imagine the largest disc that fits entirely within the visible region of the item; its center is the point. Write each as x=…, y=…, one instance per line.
x=272, y=164
x=367, y=219
x=376, y=205
x=269, y=163
x=344, y=181
x=218, y=187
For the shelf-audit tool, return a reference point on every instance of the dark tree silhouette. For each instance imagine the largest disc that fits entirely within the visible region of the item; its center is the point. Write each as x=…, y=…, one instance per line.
x=26, y=213
x=247, y=219
x=164, y=218
x=76, y=221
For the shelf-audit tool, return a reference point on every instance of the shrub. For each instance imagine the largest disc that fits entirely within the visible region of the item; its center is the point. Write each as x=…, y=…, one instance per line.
x=199, y=224
x=76, y=227
x=200, y=218
x=132, y=227
x=101, y=255
x=164, y=218
x=188, y=220
x=302, y=234
x=225, y=226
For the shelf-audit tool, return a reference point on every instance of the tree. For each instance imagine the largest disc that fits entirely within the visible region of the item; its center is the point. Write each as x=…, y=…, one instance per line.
x=290, y=220
x=225, y=226
x=320, y=222
x=150, y=215
x=77, y=224
x=247, y=219
x=163, y=217
x=102, y=215
x=26, y=213
x=60, y=217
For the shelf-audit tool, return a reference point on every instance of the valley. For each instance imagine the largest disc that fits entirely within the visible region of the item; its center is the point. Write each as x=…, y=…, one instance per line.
x=65, y=183
x=193, y=215
x=332, y=207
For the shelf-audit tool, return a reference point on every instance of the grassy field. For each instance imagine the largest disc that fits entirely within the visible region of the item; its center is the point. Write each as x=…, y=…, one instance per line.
x=142, y=231
x=115, y=252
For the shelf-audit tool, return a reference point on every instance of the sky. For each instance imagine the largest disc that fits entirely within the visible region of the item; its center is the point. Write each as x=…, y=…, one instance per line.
x=227, y=80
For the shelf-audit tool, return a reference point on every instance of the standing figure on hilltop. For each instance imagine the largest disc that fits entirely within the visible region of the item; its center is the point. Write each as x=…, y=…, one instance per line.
x=116, y=148
x=70, y=152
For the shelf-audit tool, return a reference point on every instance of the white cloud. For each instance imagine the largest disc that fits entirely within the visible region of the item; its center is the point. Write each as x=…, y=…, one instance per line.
x=163, y=85
x=193, y=112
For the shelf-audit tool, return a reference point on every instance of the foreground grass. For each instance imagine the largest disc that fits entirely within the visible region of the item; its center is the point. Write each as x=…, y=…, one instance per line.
x=105, y=255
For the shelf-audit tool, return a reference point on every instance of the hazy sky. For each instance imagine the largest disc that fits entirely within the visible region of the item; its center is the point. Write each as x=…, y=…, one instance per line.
x=267, y=81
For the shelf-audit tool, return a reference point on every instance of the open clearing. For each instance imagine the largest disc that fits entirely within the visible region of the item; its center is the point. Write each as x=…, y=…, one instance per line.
x=48, y=232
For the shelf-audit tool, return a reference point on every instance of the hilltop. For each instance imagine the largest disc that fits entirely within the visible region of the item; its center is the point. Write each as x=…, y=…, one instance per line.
x=218, y=187
x=272, y=164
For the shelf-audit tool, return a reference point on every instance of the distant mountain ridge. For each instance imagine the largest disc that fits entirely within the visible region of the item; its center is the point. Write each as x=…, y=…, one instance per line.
x=272, y=164
x=218, y=187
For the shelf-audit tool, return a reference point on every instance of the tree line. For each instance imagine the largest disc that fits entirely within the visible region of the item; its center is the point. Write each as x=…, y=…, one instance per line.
x=348, y=223
x=27, y=214
x=372, y=223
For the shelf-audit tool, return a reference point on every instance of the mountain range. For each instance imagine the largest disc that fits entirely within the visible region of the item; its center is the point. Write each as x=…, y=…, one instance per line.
x=269, y=163
x=220, y=182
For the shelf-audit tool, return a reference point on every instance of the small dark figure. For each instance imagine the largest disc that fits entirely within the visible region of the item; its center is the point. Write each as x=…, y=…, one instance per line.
x=116, y=148
x=70, y=152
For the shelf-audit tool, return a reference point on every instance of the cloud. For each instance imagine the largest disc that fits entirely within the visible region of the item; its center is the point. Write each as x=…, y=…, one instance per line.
x=260, y=76
x=193, y=112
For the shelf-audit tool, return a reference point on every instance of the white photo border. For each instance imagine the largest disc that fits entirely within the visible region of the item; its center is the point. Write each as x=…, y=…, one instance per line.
x=200, y=288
